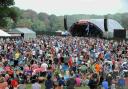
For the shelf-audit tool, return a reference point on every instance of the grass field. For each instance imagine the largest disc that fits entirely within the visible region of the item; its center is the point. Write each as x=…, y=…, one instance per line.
x=42, y=87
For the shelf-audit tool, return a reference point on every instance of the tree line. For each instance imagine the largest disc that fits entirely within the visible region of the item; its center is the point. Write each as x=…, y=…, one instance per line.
x=12, y=17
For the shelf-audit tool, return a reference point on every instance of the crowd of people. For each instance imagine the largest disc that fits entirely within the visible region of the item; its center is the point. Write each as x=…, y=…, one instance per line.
x=63, y=63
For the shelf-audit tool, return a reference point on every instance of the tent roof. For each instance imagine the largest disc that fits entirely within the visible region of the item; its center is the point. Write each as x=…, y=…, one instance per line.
x=59, y=31
x=4, y=34
x=23, y=30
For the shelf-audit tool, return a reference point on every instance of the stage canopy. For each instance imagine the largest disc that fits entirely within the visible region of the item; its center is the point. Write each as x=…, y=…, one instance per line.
x=94, y=27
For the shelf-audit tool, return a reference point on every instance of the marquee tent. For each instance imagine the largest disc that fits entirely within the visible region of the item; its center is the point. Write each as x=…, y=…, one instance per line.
x=26, y=33
x=4, y=34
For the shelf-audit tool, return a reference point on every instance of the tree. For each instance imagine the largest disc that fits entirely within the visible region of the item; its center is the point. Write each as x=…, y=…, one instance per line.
x=53, y=22
x=39, y=25
x=6, y=3
x=6, y=12
x=45, y=18
x=29, y=14
x=24, y=23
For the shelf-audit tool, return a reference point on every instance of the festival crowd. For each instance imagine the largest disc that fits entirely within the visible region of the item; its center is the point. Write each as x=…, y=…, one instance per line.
x=63, y=63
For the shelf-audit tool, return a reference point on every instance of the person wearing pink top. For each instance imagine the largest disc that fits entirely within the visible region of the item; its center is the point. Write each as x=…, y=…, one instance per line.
x=78, y=81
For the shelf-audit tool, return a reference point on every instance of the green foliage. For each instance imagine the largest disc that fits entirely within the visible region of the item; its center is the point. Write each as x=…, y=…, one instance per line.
x=9, y=23
x=24, y=23
x=14, y=13
x=38, y=25
x=29, y=14
x=3, y=23
x=8, y=15
x=6, y=3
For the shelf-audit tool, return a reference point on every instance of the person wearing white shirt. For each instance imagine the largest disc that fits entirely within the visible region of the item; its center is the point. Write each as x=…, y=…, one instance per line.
x=45, y=66
x=41, y=52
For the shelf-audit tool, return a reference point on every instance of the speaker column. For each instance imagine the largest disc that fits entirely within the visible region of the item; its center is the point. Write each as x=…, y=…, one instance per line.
x=106, y=24
x=65, y=23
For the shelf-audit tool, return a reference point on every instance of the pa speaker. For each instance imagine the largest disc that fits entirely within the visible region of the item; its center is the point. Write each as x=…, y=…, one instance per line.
x=118, y=33
x=65, y=23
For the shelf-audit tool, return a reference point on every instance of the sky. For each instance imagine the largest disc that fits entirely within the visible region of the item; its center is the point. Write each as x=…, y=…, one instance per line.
x=69, y=7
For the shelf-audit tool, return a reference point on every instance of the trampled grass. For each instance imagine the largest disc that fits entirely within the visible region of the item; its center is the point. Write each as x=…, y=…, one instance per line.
x=43, y=87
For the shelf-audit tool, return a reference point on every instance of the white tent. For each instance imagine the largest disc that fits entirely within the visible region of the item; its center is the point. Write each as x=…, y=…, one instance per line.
x=59, y=31
x=4, y=34
x=65, y=33
x=26, y=33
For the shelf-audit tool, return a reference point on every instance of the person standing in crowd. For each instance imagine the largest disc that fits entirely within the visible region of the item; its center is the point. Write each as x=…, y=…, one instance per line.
x=109, y=79
x=94, y=81
x=45, y=67
x=71, y=83
x=22, y=85
x=17, y=56
x=36, y=84
x=121, y=83
x=78, y=81
x=49, y=83
x=3, y=84
x=14, y=83
x=105, y=84
x=64, y=58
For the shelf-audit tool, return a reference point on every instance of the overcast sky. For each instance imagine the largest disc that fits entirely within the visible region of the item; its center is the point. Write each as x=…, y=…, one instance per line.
x=68, y=7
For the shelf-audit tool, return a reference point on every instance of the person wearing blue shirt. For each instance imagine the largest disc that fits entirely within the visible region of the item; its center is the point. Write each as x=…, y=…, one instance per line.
x=121, y=82
x=107, y=56
x=105, y=84
x=65, y=67
x=61, y=81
